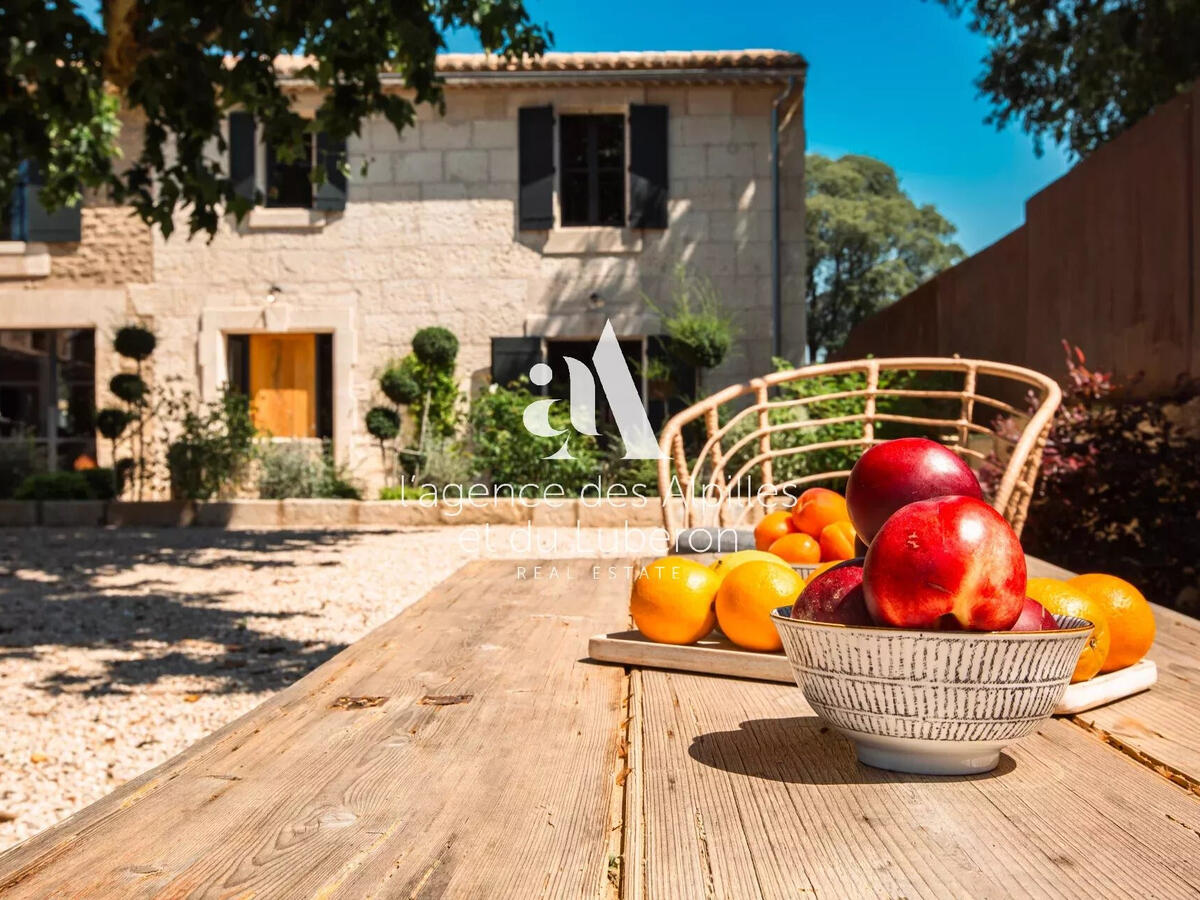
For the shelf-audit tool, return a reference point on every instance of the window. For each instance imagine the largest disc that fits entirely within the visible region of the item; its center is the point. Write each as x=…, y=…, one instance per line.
x=592, y=156
x=591, y=172
x=48, y=394
x=289, y=380
x=288, y=183
x=23, y=218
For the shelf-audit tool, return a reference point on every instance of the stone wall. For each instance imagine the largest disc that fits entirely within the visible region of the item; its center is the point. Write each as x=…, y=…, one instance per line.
x=429, y=236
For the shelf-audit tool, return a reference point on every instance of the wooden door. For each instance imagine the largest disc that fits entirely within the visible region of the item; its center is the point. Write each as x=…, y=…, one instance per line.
x=283, y=383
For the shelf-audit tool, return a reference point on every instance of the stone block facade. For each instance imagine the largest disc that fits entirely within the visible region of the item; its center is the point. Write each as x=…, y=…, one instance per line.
x=430, y=235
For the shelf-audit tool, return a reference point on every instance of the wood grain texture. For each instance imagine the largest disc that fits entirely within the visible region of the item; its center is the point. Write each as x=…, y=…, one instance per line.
x=747, y=794
x=283, y=384
x=1162, y=725
x=508, y=793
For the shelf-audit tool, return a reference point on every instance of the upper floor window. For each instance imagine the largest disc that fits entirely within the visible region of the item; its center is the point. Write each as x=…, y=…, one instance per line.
x=592, y=155
x=289, y=182
x=590, y=175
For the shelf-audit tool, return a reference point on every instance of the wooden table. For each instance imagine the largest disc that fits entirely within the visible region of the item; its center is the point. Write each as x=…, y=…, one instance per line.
x=465, y=749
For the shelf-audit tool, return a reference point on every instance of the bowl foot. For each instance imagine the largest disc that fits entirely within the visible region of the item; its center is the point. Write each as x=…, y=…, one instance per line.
x=925, y=757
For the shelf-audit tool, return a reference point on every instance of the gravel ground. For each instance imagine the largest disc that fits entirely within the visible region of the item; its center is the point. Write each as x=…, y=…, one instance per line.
x=119, y=648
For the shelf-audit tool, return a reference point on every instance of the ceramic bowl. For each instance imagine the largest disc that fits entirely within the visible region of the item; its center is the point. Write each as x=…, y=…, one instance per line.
x=931, y=702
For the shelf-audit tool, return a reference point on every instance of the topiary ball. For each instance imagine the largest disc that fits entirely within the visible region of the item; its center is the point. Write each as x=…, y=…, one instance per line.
x=399, y=386
x=134, y=342
x=111, y=421
x=383, y=423
x=435, y=346
x=128, y=387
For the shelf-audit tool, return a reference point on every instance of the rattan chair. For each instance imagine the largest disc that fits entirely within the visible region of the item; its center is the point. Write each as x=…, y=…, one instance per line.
x=732, y=480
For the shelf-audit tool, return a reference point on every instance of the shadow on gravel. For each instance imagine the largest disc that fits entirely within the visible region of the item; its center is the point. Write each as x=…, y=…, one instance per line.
x=50, y=596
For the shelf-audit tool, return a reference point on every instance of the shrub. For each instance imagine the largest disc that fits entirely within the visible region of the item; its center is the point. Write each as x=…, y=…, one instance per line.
x=399, y=386
x=1120, y=486
x=103, y=483
x=404, y=492
x=383, y=423
x=295, y=470
x=213, y=447
x=18, y=460
x=111, y=422
x=506, y=453
x=128, y=387
x=698, y=328
x=134, y=342
x=838, y=459
x=56, y=486
x=435, y=347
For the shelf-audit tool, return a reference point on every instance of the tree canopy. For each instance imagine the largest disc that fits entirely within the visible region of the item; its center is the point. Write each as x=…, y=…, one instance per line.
x=1080, y=72
x=183, y=64
x=868, y=245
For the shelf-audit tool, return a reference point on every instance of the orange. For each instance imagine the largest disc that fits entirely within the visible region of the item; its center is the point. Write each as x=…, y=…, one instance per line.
x=1064, y=600
x=672, y=600
x=772, y=527
x=797, y=548
x=816, y=508
x=837, y=541
x=1130, y=620
x=726, y=564
x=746, y=598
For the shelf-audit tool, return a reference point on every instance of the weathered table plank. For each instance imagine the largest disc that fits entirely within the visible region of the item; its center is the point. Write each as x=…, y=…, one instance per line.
x=512, y=792
x=746, y=793
x=1161, y=727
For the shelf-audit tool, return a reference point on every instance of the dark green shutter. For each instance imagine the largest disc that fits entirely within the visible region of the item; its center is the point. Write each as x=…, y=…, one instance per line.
x=513, y=357
x=535, y=149
x=331, y=193
x=647, y=166
x=36, y=223
x=241, y=153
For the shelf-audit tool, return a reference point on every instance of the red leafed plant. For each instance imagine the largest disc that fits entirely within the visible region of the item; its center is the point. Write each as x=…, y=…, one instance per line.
x=1119, y=489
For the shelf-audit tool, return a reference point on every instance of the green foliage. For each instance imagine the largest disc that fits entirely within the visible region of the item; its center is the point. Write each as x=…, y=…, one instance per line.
x=404, y=492
x=56, y=486
x=183, y=64
x=134, y=342
x=1078, y=72
x=435, y=347
x=111, y=422
x=506, y=453
x=18, y=460
x=698, y=328
x=210, y=445
x=868, y=245
x=399, y=386
x=292, y=469
x=444, y=462
x=128, y=387
x=383, y=423
x=839, y=459
x=441, y=417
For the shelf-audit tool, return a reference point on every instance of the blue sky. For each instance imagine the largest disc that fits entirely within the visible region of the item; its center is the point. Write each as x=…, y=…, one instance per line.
x=887, y=78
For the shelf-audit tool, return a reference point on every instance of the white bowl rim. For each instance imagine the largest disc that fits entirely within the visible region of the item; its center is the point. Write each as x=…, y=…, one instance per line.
x=784, y=614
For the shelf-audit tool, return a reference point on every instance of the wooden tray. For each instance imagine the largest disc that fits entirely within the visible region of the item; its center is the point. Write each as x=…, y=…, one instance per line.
x=717, y=655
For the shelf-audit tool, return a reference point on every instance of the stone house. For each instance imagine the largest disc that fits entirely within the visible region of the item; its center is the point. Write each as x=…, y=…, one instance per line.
x=551, y=197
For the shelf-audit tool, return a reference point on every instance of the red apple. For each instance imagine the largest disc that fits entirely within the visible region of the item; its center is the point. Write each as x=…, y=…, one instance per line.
x=950, y=556
x=895, y=473
x=1034, y=617
x=836, y=595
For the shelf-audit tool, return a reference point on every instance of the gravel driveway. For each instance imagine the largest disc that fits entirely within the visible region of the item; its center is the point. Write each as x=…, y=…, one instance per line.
x=119, y=648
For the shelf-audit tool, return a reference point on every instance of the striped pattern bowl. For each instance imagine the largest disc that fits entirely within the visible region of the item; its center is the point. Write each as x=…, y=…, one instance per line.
x=931, y=702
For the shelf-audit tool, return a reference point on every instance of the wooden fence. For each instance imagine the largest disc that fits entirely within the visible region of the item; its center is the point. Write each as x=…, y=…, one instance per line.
x=1107, y=258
